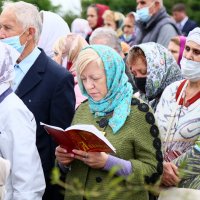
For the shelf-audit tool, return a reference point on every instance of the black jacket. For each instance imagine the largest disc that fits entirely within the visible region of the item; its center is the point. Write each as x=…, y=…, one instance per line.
x=189, y=25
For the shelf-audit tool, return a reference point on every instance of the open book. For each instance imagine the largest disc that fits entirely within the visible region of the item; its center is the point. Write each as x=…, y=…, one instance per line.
x=82, y=137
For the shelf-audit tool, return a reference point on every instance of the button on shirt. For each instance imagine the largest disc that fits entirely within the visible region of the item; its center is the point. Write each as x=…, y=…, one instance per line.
x=22, y=68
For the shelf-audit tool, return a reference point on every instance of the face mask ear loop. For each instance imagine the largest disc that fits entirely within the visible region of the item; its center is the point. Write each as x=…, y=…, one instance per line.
x=21, y=35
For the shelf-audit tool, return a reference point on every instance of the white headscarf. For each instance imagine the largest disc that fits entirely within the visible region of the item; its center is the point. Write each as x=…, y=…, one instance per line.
x=53, y=27
x=194, y=36
x=80, y=26
x=8, y=57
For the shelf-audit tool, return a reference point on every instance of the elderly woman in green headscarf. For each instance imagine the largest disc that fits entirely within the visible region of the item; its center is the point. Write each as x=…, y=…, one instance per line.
x=153, y=68
x=128, y=123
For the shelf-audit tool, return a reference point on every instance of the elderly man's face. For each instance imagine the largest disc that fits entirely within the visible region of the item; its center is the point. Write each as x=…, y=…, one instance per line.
x=143, y=3
x=9, y=26
x=147, y=3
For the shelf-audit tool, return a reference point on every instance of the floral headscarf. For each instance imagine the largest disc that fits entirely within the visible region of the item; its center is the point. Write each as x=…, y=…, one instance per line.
x=162, y=70
x=118, y=98
x=8, y=57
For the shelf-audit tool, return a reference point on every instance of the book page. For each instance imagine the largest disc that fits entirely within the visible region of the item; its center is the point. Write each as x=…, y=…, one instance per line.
x=91, y=129
x=53, y=127
x=83, y=137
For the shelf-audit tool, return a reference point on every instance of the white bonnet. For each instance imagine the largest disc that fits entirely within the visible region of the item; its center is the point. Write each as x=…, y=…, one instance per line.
x=194, y=36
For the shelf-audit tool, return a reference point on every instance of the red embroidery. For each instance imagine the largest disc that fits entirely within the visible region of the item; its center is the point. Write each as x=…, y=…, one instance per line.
x=189, y=101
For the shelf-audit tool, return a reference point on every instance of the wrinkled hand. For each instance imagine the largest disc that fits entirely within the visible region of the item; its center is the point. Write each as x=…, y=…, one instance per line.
x=63, y=157
x=93, y=159
x=170, y=174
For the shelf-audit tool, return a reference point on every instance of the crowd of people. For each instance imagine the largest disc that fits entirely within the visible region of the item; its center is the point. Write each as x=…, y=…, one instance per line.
x=134, y=76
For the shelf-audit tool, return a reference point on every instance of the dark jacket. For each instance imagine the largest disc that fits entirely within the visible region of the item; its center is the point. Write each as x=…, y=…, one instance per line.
x=189, y=25
x=48, y=91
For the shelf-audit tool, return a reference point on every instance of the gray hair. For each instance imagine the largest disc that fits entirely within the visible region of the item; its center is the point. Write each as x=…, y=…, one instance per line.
x=161, y=2
x=108, y=35
x=27, y=14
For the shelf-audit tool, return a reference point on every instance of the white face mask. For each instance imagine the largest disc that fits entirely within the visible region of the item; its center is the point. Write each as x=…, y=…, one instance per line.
x=190, y=69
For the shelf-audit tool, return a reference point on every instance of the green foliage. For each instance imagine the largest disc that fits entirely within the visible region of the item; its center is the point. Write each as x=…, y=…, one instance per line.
x=193, y=6
x=77, y=189
x=117, y=185
x=41, y=4
x=69, y=17
x=118, y=5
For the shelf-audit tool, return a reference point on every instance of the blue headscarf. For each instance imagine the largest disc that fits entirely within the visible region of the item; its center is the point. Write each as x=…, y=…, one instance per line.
x=118, y=98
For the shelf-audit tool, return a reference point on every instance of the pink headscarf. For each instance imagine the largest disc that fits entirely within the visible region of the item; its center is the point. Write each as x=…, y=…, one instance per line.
x=182, y=46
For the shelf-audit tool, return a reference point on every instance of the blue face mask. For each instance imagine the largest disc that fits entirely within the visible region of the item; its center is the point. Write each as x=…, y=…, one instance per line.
x=143, y=14
x=14, y=42
x=127, y=37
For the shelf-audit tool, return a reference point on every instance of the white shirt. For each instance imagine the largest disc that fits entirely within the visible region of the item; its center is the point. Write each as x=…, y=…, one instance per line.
x=182, y=23
x=17, y=144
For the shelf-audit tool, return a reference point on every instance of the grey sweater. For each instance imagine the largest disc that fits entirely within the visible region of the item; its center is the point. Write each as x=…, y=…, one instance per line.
x=159, y=29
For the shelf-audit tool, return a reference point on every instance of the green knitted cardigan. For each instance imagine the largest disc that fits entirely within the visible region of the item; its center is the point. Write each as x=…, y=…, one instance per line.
x=137, y=141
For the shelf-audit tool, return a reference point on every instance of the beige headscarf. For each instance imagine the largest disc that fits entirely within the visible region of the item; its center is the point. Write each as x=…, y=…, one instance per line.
x=8, y=57
x=116, y=17
x=70, y=46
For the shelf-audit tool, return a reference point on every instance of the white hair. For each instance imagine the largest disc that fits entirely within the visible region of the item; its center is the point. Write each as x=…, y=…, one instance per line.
x=108, y=35
x=27, y=14
x=160, y=1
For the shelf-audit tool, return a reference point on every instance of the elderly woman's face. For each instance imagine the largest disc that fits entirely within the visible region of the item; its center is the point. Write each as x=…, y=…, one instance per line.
x=94, y=81
x=92, y=17
x=192, y=51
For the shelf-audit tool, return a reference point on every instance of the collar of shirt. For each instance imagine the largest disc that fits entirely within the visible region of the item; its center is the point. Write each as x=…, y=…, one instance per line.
x=182, y=23
x=26, y=64
x=22, y=68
